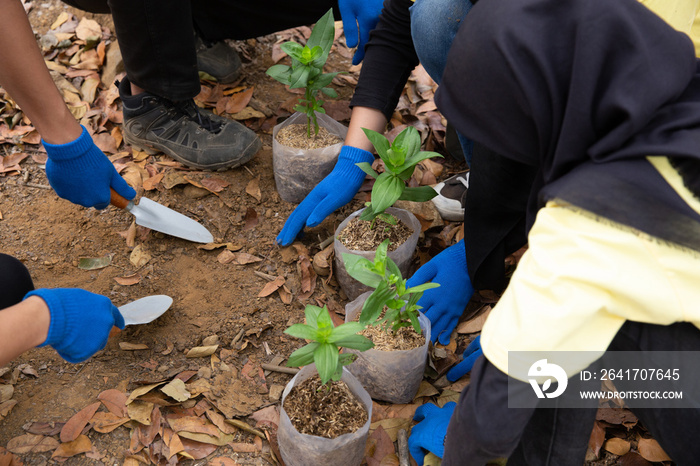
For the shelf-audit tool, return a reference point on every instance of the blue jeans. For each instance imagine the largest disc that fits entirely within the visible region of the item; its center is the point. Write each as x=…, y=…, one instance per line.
x=434, y=24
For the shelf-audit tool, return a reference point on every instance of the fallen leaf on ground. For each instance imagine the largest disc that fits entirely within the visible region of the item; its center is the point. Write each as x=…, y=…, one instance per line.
x=8, y=459
x=271, y=287
x=617, y=446
x=6, y=392
x=66, y=450
x=253, y=188
x=240, y=258
x=651, y=450
x=139, y=256
x=378, y=446
x=392, y=426
x=94, y=263
x=128, y=280
x=250, y=219
x=176, y=390
x=476, y=324
x=140, y=411
x=114, y=401
x=31, y=443
x=214, y=184
x=202, y=351
x=75, y=425
x=126, y=346
x=105, y=423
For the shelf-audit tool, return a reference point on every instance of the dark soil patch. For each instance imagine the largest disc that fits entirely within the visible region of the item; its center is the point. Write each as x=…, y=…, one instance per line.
x=359, y=235
x=329, y=413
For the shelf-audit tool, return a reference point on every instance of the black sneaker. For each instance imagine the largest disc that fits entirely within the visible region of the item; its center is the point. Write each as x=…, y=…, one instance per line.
x=218, y=60
x=451, y=196
x=190, y=135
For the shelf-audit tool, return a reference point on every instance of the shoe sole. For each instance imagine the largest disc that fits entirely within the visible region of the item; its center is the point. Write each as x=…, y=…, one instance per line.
x=152, y=148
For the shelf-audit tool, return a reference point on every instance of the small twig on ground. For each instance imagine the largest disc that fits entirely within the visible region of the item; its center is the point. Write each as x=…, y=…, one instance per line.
x=326, y=242
x=251, y=173
x=264, y=275
x=284, y=370
x=243, y=426
x=29, y=185
x=404, y=457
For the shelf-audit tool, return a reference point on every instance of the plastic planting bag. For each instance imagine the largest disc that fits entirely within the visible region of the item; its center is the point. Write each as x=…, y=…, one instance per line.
x=298, y=171
x=303, y=450
x=392, y=376
x=401, y=255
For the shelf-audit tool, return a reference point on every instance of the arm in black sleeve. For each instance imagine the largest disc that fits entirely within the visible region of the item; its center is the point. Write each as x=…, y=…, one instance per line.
x=389, y=59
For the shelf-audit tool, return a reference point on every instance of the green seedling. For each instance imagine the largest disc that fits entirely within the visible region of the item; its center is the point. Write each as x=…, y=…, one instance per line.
x=400, y=159
x=391, y=295
x=326, y=342
x=307, y=70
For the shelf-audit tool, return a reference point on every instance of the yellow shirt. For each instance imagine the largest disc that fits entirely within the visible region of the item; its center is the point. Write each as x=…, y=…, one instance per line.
x=682, y=15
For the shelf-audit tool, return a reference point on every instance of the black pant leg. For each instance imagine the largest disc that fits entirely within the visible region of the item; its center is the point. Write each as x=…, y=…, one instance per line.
x=244, y=19
x=15, y=281
x=93, y=6
x=157, y=44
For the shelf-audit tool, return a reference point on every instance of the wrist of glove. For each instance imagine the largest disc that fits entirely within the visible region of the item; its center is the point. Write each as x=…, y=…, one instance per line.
x=80, y=321
x=444, y=305
x=333, y=192
x=469, y=357
x=81, y=173
x=429, y=434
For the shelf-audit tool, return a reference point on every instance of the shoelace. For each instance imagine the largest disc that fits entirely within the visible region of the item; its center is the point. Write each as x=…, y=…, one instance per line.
x=191, y=110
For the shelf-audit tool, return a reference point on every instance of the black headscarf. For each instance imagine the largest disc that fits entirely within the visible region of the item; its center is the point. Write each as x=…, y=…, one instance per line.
x=555, y=83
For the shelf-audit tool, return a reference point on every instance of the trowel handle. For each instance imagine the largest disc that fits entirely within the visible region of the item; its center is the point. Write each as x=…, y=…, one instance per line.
x=116, y=200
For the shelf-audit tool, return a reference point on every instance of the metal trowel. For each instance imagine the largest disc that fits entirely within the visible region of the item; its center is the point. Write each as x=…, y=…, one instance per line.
x=157, y=217
x=145, y=310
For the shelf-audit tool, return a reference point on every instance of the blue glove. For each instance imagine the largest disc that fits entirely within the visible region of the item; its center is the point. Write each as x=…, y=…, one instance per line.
x=80, y=321
x=81, y=173
x=333, y=192
x=429, y=434
x=444, y=305
x=469, y=357
x=364, y=13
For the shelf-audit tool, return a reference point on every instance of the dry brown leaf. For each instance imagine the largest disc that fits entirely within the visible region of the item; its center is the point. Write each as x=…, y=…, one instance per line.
x=8, y=459
x=219, y=441
x=126, y=346
x=88, y=29
x=250, y=219
x=617, y=446
x=75, y=425
x=82, y=444
x=240, y=258
x=595, y=443
x=651, y=450
x=142, y=391
x=105, y=423
x=220, y=422
x=308, y=275
x=140, y=411
x=6, y=407
x=6, y=392
x=271, y=287
x=379, y=445
x=246, y=113
x=176, y=390
x=476, y=324
x=114, y=401
x=150, y=183
x=253, y=188
x=201, y=351
x=425, y=389
x=392, y=426
x=31, y=443
x=197, y=450
x=237, y=102
x=139, y=256
x=214, y=184
x=239, y=447
x=192, y=424
x=128, y=280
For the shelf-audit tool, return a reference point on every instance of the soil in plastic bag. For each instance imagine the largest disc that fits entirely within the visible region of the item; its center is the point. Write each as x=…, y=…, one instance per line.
x=298, y=171
x=299, y=449
x=392, y=376
x=401, y=255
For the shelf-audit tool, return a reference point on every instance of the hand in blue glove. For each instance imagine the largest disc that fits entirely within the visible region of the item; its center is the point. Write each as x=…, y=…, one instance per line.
x=81, y=173
x=444, y=305
x=333, y=192
x=429, y=434
x=469, y=357
x=362, y=13
x=80, y=321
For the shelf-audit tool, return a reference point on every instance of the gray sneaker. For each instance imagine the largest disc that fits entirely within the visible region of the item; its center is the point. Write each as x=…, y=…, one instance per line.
x=451, y=196
x=218, y=60
x=195, y=137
